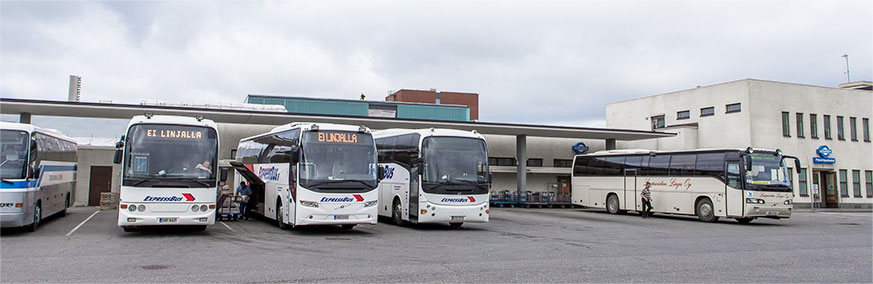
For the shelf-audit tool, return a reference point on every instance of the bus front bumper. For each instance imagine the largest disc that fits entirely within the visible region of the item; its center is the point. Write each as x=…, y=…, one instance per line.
x=434, y=213
x=15, y=219
x=311, y=216
x=127, y=218
x=768, y=211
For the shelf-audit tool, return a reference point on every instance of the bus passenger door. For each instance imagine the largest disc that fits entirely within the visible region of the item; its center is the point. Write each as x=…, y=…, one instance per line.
x=414, y=188
x=733, y=189
x=630, y=190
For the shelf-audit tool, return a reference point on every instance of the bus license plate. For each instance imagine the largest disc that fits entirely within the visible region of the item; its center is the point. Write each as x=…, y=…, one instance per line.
x=341, y=217
x=457, y=218
x=772, y=213
x=168, y=220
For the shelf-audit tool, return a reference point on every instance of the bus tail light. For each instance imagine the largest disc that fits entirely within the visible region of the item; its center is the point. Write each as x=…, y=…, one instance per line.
x=19, y=205
x=122, y=206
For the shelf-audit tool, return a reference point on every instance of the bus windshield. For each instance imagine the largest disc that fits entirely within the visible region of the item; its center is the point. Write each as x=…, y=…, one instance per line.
x=768, y=173
x=13, y=154
x=159, y=152
x=338, y=160
x=454, y=164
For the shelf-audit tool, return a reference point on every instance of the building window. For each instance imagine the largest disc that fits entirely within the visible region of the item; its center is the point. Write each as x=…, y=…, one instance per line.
x=840, y=134
x=531, y=162
x=562, y=163
x=658, y=122
x=799, y=125
x=732, y=108
x=801, y=182
x=865, y=125
x=233, y=153
x=844, y=183
x=853, y=128
x=868, y=176
x=786, y=124
x=494, y=161
x=856, y=183
x=813, y=126
x=827, y=126
x=685, y=114
x=791, y=177
x=707, y=111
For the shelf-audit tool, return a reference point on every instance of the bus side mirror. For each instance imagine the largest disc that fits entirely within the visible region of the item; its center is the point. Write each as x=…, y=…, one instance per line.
x=118, y=155
x=295, y=154
x=747, y=163
x=490, y=177
x=797, y=165
x=36, y=173
x=415, y=161
x=380, y=173
x=222, y=175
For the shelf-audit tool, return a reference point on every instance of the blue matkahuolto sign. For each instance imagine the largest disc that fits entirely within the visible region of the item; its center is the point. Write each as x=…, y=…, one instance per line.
x=580, y=148
x=824, y=151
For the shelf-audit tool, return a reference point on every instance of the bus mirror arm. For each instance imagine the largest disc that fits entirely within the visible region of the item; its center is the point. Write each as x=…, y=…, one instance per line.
x=747, y=162
x=796, y=162
x=295, y=154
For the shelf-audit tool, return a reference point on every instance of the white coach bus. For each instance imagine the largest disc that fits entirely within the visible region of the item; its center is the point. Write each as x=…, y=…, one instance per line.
x=433, y=176
x=311, y=174
x=37, y=174
x=169, y=172
x=731, y=183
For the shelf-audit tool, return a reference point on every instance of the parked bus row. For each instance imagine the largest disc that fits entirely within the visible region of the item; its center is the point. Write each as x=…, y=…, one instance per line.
x=330, y=174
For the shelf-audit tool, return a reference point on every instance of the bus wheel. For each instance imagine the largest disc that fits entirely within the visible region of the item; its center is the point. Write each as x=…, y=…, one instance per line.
x=612, y=204
x=128, y=229
x=37, y=217
x=705, y=212
x=66, y=205
x=280, y=217
x=396, y=213
x=744, y=220
x=347, y=226
x=456, y=225
x=200, y=228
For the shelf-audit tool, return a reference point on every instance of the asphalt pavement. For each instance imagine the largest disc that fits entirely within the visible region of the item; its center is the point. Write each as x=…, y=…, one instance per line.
x=518, y=245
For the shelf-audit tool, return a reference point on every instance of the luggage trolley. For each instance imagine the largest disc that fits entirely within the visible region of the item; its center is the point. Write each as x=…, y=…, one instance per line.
x=229, y=207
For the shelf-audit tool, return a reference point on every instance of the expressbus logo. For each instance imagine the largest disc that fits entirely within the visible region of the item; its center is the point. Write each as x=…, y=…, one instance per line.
x=469, y=198
x=389, y=172
x=187, y=197
x=271, y=173
x=357, y=198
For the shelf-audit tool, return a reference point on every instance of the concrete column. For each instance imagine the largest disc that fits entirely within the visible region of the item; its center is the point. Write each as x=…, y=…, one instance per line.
x=610, y=144
x=24, y=117
x=521, y=168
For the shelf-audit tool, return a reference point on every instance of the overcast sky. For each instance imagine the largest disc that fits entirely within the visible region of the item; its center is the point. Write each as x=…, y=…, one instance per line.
x=541, y=62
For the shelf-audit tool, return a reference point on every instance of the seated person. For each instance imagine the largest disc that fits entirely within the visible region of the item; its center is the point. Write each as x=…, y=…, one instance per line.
x=205, y=168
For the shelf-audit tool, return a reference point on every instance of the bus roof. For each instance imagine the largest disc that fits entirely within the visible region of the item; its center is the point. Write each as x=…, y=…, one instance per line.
x=30, y=128
x=644, y=151
x=428, y=132
x=171, y=119
x=308, y=126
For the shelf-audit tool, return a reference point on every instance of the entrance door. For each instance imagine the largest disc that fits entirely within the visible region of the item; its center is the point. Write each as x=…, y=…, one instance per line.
x=828, y=180
x=630, y=190
x=564, y=189
x=100, y=181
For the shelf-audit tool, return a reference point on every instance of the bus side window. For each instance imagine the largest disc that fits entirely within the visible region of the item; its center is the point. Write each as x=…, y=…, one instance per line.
x=733, y=174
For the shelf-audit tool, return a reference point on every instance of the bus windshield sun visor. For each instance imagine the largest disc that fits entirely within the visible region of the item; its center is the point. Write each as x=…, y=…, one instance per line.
x=246, y=173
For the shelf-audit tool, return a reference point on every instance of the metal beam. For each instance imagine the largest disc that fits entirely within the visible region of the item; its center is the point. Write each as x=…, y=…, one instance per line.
x=521, y=168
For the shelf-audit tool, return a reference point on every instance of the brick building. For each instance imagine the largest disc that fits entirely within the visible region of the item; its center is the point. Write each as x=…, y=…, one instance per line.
x=432, y=96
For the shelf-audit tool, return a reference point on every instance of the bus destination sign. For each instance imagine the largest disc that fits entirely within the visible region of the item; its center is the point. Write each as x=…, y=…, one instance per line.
x=174, y=133
x=338, y=137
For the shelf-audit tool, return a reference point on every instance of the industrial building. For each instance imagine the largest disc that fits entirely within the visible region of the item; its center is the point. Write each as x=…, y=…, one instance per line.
x=827, y=128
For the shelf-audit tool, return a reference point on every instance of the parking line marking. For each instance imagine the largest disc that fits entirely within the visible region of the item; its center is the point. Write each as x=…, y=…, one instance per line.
x=226, y=226
x=83, y=223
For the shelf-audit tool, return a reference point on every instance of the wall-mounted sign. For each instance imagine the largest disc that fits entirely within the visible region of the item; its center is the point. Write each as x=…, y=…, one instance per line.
x=824, y=151
x=580, y=148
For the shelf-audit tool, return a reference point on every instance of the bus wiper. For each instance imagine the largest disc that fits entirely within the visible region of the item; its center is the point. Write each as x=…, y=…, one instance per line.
x=145, y=180
x=195, y=180
x=341, y=181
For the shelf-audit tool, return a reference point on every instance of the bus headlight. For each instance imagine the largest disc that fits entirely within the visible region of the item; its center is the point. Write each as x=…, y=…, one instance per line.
x=787, y=202
x=371, y=203
x=309, y=204
x=754, y=200
x=141, y=208
x=203, y=208
x=195, y=208
x=131, y=208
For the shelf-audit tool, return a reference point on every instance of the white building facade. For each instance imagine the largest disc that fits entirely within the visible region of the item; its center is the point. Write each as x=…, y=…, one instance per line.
x=827, y=128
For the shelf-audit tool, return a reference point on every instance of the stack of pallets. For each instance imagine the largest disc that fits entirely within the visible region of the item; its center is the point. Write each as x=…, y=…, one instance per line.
x=108, y=200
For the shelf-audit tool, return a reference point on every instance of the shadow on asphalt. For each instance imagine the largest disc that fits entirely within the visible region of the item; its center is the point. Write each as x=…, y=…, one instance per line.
x=427, y=226
x=685, y=218
x=20, y=230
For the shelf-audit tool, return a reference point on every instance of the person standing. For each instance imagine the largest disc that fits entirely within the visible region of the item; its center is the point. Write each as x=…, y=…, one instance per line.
x=243, y=191
x=646, y=196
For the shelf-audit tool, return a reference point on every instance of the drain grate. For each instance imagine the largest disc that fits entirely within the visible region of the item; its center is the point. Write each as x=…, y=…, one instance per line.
x=157, y=266
x=338, y=239
x=848, y=224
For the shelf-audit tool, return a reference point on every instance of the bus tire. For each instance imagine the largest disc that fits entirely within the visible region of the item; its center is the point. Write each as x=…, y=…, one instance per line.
x=347, y=227
x=397, y=213
x=456, y=225
x=200, y=228
x=705, y=211
x=128, y=229
x=744, y=220
x=37, y=217
x=279, y=216
x=612, y=204
x=66, y=205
